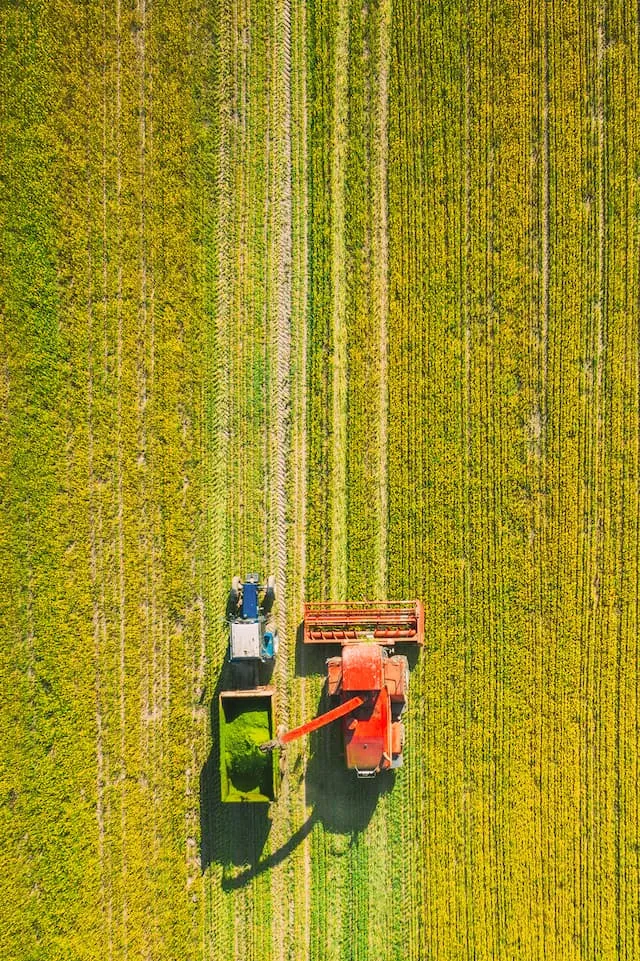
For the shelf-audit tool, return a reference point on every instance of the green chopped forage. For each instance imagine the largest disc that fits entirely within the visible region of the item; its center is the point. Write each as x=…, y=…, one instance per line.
x=247, y=766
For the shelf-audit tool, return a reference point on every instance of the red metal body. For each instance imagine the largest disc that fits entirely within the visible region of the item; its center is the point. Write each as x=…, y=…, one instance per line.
x=370, y=688
x=367, y=684
x=344, y=622
x=369, y=730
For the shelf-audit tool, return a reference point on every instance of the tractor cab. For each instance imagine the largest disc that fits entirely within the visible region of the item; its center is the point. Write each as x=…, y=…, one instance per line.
x=253, y=635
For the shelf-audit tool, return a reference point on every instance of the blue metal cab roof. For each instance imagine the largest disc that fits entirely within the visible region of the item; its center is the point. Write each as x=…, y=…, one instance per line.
x=250, y=601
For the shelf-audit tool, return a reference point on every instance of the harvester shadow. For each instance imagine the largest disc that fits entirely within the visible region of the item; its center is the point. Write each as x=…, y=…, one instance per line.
x=231, y=834
x=342, y=802
x=310, y=658
x=412, y=654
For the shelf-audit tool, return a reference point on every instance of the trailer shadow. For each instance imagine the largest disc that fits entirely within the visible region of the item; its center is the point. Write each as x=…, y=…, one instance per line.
x=231, y=881
x=231, y=835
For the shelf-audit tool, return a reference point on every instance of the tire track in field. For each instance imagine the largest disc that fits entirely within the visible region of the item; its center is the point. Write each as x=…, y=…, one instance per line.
x=628, y=718
x=538, y=323
x=120, y=564
x=281, y=251
x=583, y=606
x=465, y=408
x=301, y=914
x=152, y=658
x=541, y=415
x=596, y=749
x=110, y=906
x=342, y=926
x=413, y=250
x=93, y=548
x=283, y=350
x=217, y=280
x=589, y=586
x=258, y=320
x=99, y=632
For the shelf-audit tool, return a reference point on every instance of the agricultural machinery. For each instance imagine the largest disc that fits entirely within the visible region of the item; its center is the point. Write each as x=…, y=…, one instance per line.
x=253, y=637
x=246, y=710
x=367, y=686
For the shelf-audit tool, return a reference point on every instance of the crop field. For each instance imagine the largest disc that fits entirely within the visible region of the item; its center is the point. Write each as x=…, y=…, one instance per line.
x=346, y=292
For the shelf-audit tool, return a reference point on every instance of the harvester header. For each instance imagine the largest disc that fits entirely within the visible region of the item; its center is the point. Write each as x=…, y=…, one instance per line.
x=345, y=622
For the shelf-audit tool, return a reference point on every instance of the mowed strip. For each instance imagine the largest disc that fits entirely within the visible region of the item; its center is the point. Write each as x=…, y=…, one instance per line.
x=247, y=132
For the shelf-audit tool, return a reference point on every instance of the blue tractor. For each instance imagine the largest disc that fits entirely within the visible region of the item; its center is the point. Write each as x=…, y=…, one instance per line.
x=253, y=637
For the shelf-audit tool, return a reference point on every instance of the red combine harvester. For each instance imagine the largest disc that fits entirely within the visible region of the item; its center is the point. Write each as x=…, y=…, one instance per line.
x=367, y=685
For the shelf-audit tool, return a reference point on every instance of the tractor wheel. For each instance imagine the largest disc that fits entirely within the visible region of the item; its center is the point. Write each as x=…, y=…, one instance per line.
x=269, y=596
x=232, y=604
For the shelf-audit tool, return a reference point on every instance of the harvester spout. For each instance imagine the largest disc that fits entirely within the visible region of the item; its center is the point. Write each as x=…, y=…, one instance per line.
x=346, y=708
